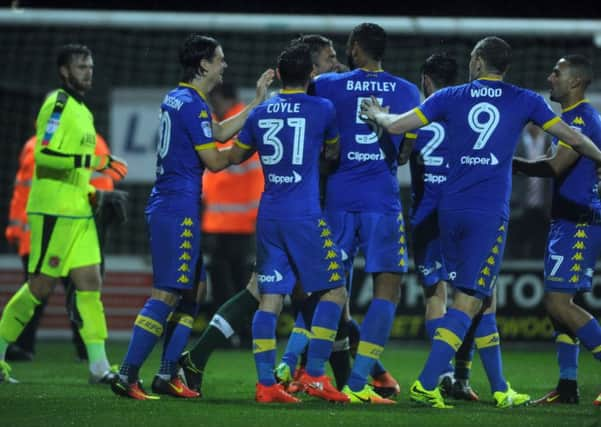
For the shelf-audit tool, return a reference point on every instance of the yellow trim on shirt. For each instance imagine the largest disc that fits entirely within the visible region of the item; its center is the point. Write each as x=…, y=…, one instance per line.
x=333, y=140
x=205, y=146
x=202, y=95
x=491, y=79
x=571, y=107
x=563, y=144
x=241, y=145
x=421, y=115
x=410, y=135
x=550, y=123
x=289, y=91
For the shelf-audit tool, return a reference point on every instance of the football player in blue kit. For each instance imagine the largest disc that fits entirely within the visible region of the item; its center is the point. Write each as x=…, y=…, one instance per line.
x=187, y=144
x=574, y=241
x=362, y=202
x=483, y=119
x=290, y=131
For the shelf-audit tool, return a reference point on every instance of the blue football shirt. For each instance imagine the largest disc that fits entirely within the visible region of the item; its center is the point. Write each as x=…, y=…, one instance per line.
x=483, y=119
x=577, y=189
x=366, y=179
x=185, y=128
x=429, y=167
x=288, y=131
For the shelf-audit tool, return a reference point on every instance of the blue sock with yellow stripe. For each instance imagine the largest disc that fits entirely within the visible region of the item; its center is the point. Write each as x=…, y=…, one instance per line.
x=299, y=338
x=568, y=350
x=447, y=339
x=431, y=325
x=173, y=348
x=488, y=344
x=590, y=336
x=148, y=328
x=323, y=332
x=263, y=330
x=375, y=330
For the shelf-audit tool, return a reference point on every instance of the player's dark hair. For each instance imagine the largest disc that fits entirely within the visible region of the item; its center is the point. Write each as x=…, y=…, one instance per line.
x=67, y=52
x=316, y=43
x=195, y=48
x=581, y=67
x=372, y=39
x=441, y=68
x=495, y=52
x=295, y=65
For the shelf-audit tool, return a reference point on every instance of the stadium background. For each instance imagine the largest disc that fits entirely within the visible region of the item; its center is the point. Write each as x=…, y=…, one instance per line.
x=142, y=59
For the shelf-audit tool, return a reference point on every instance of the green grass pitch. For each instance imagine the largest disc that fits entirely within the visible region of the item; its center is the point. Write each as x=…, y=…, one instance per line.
x=54, y=392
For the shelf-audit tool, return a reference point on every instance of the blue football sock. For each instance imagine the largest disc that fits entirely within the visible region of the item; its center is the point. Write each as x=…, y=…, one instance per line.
x=446, y=341
x=298, y=341
x=590, y=336
x=489, y=347
x=375, y=330
x=148, y=327
x=568, y=350
x=431, y=326
x=323, y=332
x=186, y=312
x=263, y=330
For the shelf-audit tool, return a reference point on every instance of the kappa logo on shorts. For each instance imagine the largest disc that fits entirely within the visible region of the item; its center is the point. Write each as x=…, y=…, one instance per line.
x=54, y=261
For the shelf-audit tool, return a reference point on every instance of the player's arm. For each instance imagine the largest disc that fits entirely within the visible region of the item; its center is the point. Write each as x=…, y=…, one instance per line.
x=53, y=159
x=406, y=148
x=371, y=110
x=581, y=143
x=553, y=166
x=331, y=151
x=222, y=131
x=239, y=152
x=213, y=159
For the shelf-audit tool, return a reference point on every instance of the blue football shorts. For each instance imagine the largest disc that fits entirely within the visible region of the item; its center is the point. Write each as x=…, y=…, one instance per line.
x=572, y=249
x=291, y=250
x=472, y=244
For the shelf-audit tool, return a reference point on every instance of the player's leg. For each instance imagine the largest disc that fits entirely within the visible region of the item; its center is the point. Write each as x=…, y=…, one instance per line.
x=44, y=269
x=23, y=348
x=382, y=241
x=275, y=278
x=472, y=247
x=74, y=318
x=488, y=344
x=231, y=317
x=317, y=261
x=461, y=388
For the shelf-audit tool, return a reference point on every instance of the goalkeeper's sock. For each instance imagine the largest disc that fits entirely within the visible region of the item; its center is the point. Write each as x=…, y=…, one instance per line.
x=298, y=341
x=488, y=344
x=147, y=329
x=175, y=344
x=230, y=317
x=375, y=330
x=323, y=332
x=17, y=313
x=447, y=339
x=590, y=336
x=568, y=350
x=263, y=330
x=93, y=329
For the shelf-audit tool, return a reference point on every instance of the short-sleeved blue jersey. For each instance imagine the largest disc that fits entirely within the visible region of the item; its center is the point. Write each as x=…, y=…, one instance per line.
x=288, y=131
x=185, y=128
x=365, y=180
x=576, y=190
x=429, y=168
x=484, y=120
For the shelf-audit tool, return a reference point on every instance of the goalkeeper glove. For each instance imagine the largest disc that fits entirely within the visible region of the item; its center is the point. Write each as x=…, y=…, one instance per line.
x=110, y=165
x=108, y=204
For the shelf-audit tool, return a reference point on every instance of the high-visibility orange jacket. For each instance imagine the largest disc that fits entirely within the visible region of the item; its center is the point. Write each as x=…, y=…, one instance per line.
x=17, y=231
x=231, y=196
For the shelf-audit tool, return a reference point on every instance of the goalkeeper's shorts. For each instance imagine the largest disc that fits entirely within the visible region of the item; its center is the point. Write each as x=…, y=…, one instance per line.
x=61, y=244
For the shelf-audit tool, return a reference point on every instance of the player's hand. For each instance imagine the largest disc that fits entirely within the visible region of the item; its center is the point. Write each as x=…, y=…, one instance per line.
x=263, y=84
x=13, y=234
x=370, y=107
x=111, y=165
x=110, y=204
